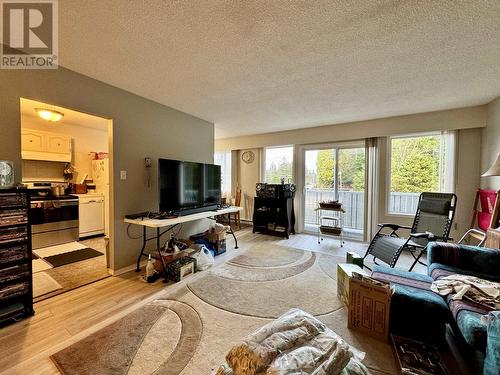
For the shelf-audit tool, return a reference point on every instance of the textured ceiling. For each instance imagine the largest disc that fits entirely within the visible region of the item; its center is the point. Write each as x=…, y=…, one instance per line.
x=261, y=66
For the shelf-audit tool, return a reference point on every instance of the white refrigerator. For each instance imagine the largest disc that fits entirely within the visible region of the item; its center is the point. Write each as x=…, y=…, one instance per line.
x=100, y=177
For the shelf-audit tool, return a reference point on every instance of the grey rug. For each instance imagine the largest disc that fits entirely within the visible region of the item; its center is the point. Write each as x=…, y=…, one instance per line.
x=62, y=259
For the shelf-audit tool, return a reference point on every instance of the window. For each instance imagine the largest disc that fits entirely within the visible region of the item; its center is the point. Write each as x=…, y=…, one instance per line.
x=419, y=163
x=224, y=160
x=278, y=164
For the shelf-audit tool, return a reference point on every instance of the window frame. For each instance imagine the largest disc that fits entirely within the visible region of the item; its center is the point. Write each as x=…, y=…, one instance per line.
x=264, y=157
x=228, y=162
x=449, y=158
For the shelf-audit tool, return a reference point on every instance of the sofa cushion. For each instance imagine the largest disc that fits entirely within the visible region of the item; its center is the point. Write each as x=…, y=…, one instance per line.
x=416, y=311
x=439, y=270
x=469, y=260
x=466, y=314
x=472, y=329
x=492, y=360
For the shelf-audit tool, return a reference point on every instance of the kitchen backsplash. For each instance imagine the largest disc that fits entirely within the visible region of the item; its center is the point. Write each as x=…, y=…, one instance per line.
x=42, y=170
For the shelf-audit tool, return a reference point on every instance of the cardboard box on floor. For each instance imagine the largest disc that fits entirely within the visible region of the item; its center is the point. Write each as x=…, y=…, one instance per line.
x=369, y=307
x=344, y=273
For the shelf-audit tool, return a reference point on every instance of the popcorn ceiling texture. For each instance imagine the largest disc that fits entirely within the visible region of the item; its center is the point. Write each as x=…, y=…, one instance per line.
x=262, y=66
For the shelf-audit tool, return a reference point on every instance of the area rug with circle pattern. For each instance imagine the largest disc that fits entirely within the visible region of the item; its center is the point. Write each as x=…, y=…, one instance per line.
x=190, y=328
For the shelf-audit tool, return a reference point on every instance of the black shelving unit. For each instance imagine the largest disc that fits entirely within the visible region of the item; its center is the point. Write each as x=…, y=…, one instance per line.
x=16, y=282
x=274, y=215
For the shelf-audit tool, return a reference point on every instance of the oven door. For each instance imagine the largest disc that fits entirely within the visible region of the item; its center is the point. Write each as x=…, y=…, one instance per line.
x=53, y=211
x=54, y=222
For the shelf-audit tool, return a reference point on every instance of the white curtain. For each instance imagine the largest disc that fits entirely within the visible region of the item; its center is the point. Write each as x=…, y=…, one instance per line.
x=223, y=159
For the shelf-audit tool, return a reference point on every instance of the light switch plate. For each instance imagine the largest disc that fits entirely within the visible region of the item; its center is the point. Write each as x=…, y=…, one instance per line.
x=123, y=175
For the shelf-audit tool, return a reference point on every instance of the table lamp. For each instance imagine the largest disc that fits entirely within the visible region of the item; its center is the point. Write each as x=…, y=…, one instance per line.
x=494, y=169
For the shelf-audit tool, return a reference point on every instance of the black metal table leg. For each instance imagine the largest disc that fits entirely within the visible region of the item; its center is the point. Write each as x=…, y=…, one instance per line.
x=158, y=248
x=234, y=236
x=138, y=267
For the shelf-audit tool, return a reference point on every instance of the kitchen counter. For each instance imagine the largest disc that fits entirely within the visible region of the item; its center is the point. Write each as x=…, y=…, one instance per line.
x=100, y=195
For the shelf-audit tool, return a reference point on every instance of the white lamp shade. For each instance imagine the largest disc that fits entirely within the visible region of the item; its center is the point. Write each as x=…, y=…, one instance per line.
x=494, y=169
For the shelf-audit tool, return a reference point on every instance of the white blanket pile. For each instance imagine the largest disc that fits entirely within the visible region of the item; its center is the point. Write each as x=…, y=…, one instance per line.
x=483, y=292
x=295, y=343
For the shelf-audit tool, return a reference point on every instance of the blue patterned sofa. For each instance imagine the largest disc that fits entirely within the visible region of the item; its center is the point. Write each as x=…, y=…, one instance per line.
x=418, y=312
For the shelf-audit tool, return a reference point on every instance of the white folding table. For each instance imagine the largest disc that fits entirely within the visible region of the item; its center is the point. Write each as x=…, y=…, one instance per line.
x=163, y=226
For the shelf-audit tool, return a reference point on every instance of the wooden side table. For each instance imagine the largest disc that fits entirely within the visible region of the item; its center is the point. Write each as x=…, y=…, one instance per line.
x=493, y=239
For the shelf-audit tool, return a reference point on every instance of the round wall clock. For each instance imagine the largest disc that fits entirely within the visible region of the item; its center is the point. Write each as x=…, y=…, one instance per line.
x=248, y=157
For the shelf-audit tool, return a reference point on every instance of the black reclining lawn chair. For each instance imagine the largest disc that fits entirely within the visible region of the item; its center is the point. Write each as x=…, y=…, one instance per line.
x=435, y=213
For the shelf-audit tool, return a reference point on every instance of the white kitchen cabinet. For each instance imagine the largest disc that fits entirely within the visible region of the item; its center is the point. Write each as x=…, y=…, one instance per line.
x=32, y=140
x=40, y=145
x=91, y=214
x=59, y=144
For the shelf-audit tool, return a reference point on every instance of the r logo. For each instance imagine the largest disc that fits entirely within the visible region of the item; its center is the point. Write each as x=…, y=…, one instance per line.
x=29, y=28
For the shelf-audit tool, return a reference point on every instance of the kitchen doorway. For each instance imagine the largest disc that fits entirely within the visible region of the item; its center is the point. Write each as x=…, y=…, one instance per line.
x=66, y=165
x=334, y=172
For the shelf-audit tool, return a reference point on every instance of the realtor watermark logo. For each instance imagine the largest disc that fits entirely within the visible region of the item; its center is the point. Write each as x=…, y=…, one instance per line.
x=29, y=34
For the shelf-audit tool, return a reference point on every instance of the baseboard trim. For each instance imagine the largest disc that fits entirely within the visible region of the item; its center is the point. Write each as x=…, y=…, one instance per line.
x=123, y=270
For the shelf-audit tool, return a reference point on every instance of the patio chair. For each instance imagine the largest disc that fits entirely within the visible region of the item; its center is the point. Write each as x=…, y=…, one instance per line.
x=433, y=220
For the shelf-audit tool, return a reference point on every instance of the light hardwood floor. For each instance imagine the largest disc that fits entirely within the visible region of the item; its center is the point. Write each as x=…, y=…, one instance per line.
x=25, y=347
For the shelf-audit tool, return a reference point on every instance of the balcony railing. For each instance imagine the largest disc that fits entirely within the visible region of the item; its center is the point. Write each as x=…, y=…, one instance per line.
x=354, y=204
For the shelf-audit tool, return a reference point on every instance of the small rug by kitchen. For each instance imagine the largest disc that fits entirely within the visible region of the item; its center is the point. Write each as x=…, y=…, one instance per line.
x=44, y=284
x=72, y=257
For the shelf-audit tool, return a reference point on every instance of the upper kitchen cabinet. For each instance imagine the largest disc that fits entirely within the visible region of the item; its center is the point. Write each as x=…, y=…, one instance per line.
x=31, y=141
x=40, y=145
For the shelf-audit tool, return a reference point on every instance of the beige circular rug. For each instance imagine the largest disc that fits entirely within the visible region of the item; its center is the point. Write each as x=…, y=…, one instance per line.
x=311, y=290
x=256, y=274
x=328, y=263
x=267, y=255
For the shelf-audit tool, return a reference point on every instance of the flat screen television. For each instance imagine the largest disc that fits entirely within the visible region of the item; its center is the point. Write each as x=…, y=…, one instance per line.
x=188, y=187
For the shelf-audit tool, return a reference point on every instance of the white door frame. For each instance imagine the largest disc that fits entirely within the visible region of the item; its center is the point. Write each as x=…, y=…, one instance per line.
x=299, y=173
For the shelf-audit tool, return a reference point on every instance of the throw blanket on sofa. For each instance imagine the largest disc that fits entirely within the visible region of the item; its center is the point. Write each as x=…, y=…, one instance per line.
x=483, y=292
x=295, y=343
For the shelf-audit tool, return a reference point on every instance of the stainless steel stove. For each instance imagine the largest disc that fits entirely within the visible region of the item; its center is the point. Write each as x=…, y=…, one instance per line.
x=54, y=219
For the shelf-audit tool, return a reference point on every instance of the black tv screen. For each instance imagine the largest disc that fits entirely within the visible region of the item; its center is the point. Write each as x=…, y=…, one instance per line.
x=187, y=186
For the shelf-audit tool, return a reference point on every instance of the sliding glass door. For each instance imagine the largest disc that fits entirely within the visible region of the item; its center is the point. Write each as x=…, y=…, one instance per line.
x=336, y=172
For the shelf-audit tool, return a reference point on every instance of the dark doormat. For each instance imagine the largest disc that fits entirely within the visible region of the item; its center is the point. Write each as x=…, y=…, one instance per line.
x=72, y=257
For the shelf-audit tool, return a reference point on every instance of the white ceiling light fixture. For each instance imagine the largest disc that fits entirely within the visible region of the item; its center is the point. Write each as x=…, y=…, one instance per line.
x=49, y=114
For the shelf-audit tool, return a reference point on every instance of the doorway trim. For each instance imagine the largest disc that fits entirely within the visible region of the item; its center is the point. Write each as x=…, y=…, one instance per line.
x=299, y=176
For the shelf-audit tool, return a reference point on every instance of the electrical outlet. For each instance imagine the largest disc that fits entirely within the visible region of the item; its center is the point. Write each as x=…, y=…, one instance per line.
x=123, y=175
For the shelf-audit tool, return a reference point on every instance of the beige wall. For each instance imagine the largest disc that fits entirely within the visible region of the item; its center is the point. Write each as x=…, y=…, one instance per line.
x=84, y=141
x=491, y=144
x=140, y=128
x=463, y=118
x=468, y=121
x=247, y=175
